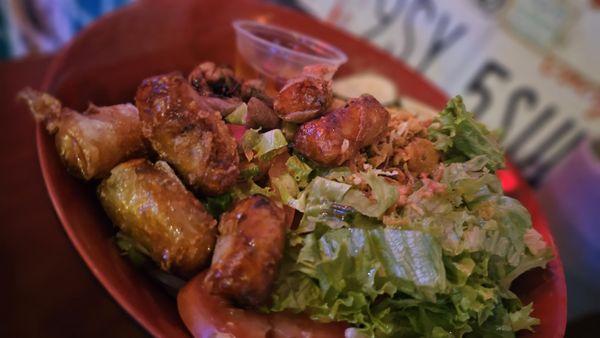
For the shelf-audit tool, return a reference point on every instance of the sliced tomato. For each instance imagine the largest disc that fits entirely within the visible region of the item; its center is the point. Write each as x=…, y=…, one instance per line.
x=278, y=166
x=207, y=316
x=237, y=131
x=285, y=325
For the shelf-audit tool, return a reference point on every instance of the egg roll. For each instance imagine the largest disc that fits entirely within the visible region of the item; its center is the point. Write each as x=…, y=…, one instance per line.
x=91, y=143
x=149, y=204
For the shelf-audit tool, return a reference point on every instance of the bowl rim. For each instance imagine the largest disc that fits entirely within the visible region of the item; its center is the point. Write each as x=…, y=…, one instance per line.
x=51, y=73
x=121, y=299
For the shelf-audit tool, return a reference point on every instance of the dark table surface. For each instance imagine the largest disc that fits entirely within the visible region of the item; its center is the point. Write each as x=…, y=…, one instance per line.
x=46, y=290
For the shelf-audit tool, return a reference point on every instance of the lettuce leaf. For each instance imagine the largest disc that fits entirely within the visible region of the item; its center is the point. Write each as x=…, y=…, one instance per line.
x=250, y=188
x=289, y=193
x=239, y=115
x=264, y=146
x=522, y=320
x=269, y=142
x=299, y=170
x=337, y=204
x=338, y=273
x=323, y=205
x=446, y=267
x=460, y=137
x=384, y=196
x=497, y=326
x=250, y=171
x=473, y=215
x=289, y=183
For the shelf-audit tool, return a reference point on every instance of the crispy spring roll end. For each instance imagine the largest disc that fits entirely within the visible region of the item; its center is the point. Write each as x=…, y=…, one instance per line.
x=148, y=203
x=44, y=107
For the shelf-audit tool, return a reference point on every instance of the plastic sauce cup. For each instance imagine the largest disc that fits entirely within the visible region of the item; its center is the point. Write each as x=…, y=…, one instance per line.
x=280, y=54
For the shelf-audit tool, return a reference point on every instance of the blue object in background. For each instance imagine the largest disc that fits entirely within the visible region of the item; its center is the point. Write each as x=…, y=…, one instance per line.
x=43, y=26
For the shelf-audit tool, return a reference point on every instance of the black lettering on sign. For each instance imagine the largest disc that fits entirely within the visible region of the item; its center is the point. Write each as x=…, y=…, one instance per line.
x=530, y=130
x=546, y=145
x=384, y=18
x=443, y=37
x=477, y=86
x=418, y=6
x=524, y=95
x=524, y=99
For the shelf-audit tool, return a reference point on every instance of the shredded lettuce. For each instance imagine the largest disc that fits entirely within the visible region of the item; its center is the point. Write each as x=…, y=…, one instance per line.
x=456, y=133
x=299, y=170
x=289, y=193
x=249, y=140
x=384, y=195
x=330, y=202
x=250, y=171
x=269, y=142
x=338, y=275
x=336, y=174
x=289, y=183
x=469, y=243
x=250, y=188
x=522, y=320
x=442, y=268
x=323, y=205
x=264, y=146
x=239, y=115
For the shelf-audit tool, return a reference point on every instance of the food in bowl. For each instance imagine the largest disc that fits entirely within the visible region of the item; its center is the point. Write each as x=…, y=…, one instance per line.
x=303, y=214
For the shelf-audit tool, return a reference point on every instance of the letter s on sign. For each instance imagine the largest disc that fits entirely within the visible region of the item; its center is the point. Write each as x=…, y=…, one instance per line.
x=477, y=85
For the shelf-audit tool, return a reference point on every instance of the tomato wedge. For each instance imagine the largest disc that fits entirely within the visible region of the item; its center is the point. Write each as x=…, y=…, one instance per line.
x=207, y=315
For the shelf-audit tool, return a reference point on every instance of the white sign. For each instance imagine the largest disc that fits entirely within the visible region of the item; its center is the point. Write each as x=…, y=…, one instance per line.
x=530, y=68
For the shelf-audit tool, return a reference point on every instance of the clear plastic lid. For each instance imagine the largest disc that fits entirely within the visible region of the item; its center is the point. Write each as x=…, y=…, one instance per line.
x=281, y=53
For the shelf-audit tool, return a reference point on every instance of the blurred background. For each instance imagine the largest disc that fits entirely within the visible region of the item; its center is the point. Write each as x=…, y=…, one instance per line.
x=529, y=68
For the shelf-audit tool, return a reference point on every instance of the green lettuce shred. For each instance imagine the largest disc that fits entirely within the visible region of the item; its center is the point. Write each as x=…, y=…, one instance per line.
x=264, y=146
x=384, y=196
x=299, y=170
x=239, y=115
x=442, y=268
x=460, y=137
x=338, y=275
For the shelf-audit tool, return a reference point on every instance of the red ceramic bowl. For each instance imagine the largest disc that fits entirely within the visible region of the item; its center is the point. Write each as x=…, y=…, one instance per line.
x=107, y=61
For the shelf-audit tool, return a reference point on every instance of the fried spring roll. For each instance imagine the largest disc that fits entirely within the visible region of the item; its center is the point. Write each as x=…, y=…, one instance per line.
x=196, y=142
x=148, y=203
x=248, y=251
x=92, y=143
x=336, y=137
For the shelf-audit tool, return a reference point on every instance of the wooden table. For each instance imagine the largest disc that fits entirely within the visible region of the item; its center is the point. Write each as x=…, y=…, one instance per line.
x=45, y=288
